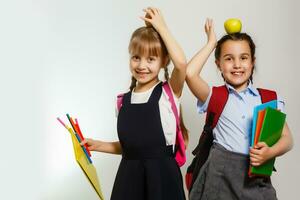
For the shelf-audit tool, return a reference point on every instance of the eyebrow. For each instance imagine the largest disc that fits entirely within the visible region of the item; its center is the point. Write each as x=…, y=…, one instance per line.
x=243, y=54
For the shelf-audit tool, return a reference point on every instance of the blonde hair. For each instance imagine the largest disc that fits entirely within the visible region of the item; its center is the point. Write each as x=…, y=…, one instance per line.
x=147, y=41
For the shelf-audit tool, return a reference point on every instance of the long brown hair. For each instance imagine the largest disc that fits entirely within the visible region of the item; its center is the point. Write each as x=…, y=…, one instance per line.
x=147, y=41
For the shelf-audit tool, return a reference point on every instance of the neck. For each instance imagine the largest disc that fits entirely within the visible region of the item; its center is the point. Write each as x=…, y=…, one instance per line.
x=142, y=87
x=239, y=88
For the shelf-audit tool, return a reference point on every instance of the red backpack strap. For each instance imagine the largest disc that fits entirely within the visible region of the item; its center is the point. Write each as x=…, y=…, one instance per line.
x=216, y=105
x=267, y=95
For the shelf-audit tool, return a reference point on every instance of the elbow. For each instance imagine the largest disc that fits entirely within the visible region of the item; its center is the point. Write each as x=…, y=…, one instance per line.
x=291, y=144
x=189, y=73
x=181, y=64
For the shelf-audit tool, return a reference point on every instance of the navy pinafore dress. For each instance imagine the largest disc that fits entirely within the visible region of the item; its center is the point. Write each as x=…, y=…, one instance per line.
x=148, y=170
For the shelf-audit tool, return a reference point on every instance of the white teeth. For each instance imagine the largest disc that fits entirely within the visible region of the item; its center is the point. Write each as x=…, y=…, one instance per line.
x=237, y=73
x=141, y=72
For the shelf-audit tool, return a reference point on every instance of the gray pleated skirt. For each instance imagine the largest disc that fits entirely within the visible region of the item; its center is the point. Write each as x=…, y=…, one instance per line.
x=225, y=176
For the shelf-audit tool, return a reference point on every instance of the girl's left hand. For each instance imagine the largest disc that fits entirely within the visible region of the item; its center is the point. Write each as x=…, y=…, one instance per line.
x=154, y=17
x=260, y=154
x=210, y=32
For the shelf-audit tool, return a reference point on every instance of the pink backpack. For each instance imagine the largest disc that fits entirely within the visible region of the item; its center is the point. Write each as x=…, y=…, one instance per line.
x=180, y=147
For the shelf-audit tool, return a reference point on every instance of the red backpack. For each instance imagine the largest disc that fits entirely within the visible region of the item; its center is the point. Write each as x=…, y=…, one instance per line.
x=216, y=105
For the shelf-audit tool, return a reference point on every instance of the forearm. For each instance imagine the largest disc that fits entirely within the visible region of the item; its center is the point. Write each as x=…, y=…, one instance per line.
x=109, y=147
x=196, y=64
x=178, y=59
x=175, y=51
x=197, y=85
x=284, y=144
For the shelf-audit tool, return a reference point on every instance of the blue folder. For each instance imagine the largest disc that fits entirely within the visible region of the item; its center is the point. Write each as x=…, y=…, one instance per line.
x=272, y=104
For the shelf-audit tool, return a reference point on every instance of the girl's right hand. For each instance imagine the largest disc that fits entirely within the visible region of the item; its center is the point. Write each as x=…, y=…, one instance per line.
x=210, y=32
x=93, y=145
x=155, y=18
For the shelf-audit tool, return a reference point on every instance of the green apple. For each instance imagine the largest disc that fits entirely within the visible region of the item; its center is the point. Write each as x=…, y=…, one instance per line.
x=233, y=26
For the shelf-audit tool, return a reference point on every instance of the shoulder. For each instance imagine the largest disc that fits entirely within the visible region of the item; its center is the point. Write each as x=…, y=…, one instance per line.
x=270, y=94
x=119, y=101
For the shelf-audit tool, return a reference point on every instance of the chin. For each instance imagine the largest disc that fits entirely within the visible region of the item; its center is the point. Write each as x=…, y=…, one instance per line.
x=239, y=86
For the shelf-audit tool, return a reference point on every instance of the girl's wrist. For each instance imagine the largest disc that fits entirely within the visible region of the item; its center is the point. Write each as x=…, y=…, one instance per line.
x=212, y=44
x=272, y=152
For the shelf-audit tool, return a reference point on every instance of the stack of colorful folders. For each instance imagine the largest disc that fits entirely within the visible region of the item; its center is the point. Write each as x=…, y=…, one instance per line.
x=82, y=154
x=268, y=123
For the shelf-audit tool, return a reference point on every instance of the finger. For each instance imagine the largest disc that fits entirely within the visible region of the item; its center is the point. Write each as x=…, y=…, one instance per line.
x=158, y=11
x=148, y=22
x=254, y=156
x=211, y=24
x=91, y=148
x=255, y=164
x=255, y=159
x=148, y=12
x=255, y=151
x=261, y=144
x=206, y=26
x=208, y=22
x=83, y=142
x=155, y=10
x=145, y=18
x=151, y=10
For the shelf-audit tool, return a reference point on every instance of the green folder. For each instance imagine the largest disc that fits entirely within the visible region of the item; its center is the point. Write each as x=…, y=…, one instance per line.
x=270, y=133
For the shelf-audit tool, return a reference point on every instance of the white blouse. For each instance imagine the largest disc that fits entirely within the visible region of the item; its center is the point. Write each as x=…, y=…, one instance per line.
x=167, y=117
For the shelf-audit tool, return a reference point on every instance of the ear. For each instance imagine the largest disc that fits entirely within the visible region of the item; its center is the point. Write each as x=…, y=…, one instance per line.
x=218, y=64
x=166, y=61
x=253, y=61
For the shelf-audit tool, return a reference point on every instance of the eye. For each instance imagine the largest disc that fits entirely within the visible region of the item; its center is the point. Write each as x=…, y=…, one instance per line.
x=244, y=57
x=228, y=58
x=135, y=58
x=151, y=59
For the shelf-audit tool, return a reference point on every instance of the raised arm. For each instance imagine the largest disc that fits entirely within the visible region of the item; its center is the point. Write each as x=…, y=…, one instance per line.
x=155, y=18
x=195, y=82
x=105, y=147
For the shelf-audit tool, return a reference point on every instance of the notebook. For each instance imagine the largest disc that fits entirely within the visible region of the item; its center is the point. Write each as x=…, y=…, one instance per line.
x=270, y=133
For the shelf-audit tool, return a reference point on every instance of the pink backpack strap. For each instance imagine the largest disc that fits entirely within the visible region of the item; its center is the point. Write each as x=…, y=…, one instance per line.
x=119, y=101
x=180, y=156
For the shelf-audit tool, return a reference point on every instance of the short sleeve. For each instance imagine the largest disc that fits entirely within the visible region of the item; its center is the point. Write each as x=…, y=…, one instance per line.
x=202, y=106
x=176, y=99
x=116, y=108
x=280, y=104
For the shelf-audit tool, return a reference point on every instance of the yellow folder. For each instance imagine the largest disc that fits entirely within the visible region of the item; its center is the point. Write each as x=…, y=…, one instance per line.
x=87, y=167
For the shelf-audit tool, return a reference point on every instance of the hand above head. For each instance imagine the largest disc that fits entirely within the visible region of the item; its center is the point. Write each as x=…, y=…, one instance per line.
x=154, y=17
x=210, y=32
x=260, y=153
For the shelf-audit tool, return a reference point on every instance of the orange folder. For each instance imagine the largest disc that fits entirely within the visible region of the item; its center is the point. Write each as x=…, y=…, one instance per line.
x=259, y=123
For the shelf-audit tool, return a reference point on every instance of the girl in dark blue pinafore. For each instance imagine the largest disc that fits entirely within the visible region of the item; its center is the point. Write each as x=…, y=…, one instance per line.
x=146, y=123
x=148, y=169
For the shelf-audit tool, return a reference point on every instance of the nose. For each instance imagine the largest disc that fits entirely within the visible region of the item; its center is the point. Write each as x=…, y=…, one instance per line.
x=142, y=64
x=237, y=63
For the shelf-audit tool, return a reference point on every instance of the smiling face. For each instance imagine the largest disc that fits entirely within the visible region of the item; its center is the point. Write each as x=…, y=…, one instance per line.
x=145, y=69
x=148, y=55
x=236, y=63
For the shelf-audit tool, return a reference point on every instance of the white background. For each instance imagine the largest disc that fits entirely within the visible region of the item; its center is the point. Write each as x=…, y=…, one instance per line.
x=66, y=56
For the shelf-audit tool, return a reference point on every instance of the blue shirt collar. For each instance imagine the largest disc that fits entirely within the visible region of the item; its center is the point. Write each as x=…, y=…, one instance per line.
x=249, y=88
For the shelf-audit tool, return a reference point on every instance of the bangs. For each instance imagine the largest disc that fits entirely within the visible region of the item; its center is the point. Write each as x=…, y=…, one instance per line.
x=145, y=45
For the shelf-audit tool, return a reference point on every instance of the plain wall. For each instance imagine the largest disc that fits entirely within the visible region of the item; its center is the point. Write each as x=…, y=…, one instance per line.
x=63, y=56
